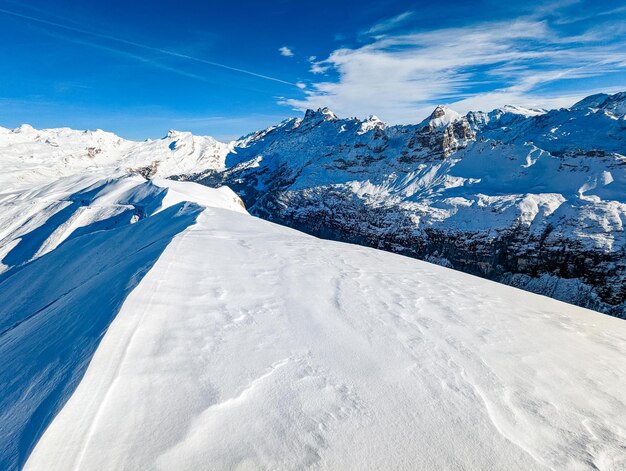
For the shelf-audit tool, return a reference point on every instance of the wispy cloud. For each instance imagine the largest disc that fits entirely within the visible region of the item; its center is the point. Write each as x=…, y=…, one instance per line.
x=401, y=76
x=146, y=47
x=285, y=51
x=584, y=16
x=388, y=24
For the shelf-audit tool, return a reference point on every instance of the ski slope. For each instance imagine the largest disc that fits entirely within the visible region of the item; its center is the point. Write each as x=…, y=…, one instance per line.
x=240, y=344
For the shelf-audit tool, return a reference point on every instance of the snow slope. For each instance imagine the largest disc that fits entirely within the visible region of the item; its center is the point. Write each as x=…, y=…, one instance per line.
x=240, y=344
x=72, y=251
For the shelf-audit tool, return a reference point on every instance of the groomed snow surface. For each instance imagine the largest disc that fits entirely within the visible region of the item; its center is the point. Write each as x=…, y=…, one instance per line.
x=226, y=342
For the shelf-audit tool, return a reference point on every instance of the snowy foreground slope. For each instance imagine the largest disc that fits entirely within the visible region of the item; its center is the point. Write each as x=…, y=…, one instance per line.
x=222, y=341
x=71, y=252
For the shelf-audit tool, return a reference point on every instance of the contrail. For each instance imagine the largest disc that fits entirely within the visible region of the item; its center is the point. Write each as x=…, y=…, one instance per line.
x=143, y=46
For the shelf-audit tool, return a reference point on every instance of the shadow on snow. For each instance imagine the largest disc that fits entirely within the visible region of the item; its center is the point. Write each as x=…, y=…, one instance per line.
x=56, y=309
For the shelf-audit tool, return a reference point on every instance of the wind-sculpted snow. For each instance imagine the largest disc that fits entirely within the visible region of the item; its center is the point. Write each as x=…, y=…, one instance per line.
x=249, y=345
x=154, y=324
x=73, y=251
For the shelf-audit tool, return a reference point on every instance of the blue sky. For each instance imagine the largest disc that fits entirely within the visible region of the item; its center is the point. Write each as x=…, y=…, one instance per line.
x=140, y=68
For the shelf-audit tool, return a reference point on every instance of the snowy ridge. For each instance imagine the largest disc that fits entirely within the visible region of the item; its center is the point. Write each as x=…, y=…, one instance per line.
x=36, y=221
x=71, y=252
x=198, y=337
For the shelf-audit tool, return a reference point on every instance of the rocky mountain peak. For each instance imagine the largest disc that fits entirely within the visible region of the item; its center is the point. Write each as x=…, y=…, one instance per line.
x=592, y=101
x=321, y=113
x=444, y=131
x=373, y=118
x=24, y=128
x=441, y=117
x=177, y=139
x=614, y=104
x=438, y=112
x=371, y=122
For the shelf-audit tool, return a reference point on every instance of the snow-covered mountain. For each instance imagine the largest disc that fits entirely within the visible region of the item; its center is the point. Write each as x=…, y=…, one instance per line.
x=528, y=197
x=154, y=324
x=29, y=156
x=532, y=198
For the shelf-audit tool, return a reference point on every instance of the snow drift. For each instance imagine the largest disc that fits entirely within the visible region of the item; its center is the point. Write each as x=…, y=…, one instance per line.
x=196, y=336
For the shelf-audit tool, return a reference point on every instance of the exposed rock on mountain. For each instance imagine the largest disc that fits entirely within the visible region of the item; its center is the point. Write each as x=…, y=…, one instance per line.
x=532, y=198
x=528, y=197
x=445, y=132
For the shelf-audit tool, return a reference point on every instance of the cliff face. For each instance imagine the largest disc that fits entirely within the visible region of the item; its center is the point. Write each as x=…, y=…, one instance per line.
x=531, y=198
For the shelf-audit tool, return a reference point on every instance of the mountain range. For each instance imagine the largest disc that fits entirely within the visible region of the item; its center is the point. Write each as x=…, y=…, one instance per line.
x=148, y=321
x=531, y=198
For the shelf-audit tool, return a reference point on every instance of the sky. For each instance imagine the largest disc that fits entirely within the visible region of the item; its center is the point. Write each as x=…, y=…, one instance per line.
x=140, y=68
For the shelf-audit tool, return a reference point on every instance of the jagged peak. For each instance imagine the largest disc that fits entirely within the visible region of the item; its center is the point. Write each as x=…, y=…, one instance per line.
x=371, y=122
x=442, y=110
x=323, y=113
x=441, y=116
x=592, y=101
x=173, y=134
x=616, y=104
x=374, y=119
x=23, y=128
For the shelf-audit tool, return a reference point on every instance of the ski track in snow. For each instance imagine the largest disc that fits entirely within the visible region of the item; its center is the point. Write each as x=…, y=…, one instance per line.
x=252, y=346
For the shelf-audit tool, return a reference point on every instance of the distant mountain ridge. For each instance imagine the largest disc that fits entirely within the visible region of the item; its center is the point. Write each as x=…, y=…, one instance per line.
x=532, y=198
x=529, y=197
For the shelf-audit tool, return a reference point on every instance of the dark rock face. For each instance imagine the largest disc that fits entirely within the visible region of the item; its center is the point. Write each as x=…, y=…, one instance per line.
x=146, y=172
x=442, y=135
x=529, y=198
x=515, y=257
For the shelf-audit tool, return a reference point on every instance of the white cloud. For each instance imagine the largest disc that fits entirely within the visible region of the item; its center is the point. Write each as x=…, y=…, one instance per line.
x=401, y=77
x=318, y=68
x=285, y=51
x=389, y=24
